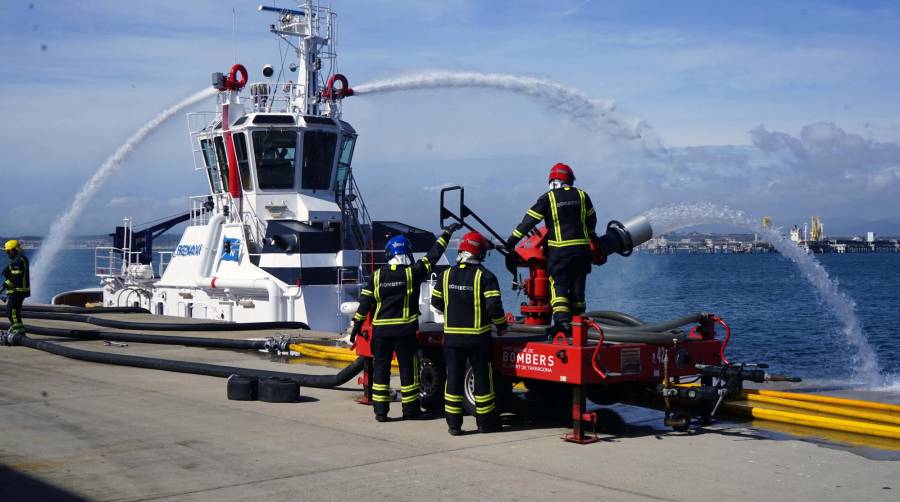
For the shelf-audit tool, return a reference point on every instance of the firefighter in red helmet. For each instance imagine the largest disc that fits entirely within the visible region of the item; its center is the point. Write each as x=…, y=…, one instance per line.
x=571, y=224
x=469, y=296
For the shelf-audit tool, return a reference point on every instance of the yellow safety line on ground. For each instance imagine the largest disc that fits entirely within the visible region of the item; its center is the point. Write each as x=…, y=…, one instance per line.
x=333, y=353
x=856, y=403
x=837, y=424
x=874, y=416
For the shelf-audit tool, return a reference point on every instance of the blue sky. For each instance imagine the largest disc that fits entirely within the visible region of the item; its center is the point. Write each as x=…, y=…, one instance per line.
x=781, y=108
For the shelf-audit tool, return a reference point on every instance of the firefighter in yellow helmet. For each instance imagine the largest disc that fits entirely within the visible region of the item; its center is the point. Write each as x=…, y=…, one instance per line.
x=16, y=284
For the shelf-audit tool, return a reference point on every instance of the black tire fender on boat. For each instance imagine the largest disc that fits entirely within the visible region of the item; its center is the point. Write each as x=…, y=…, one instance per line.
x=279, y=390
x=243, y=388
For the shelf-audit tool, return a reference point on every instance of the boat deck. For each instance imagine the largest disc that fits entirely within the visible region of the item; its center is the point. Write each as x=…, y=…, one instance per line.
x=76, y=429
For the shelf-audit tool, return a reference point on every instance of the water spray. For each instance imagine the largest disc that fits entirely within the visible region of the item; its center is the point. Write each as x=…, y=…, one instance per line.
x=674, y=217
x=592, y=113
x=61, y=228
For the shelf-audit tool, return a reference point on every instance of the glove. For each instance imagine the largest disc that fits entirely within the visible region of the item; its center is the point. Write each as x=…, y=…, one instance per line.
x=357, y=327
x=453, y=227
x=511, y=242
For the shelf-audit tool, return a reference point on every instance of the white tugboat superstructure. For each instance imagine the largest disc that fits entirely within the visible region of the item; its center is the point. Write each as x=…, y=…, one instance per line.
x=284, y=234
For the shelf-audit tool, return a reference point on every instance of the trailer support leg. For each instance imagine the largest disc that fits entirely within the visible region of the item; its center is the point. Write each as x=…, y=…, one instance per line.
x=581, y=419
x=365, y=379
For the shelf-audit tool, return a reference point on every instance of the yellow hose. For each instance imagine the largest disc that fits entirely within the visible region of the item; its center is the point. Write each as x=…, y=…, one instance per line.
x=836, y=424
x=325, y=352
x=856, y=403
x=874, y=416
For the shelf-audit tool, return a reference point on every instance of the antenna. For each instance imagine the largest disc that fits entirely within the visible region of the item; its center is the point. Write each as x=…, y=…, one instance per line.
x=234, y=33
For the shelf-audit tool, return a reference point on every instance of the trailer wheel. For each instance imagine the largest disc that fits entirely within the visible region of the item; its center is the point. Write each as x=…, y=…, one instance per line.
x=502, y=391
x=432, y=377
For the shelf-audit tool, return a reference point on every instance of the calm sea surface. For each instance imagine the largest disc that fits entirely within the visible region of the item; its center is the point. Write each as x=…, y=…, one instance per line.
x=775, y=316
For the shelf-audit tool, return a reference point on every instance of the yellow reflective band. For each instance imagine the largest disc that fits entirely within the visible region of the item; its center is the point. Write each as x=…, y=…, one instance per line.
x=452, y=398
x=409, y=388
x=437, y=293
x=583, y=213
x=485, y=398
x=477, y=321
x=447, y=299
x=484, y=410
x=381, y=399
x=557, y=310
x=409, y=399
x=572, y=242
x=455, y=410
x=517, y=234
x=15, y=271
x=492, y=293
x=442, y=241
x=557, y=232
x=553, y=297
x=409, y=288
x=590, y=211
x=396, y=321
x=559, y=299
x=534, y=214
x=359, y=317
x=467, y=331
x=427, y=263
x=366, y=292
x=380, y=386
x=499, y=320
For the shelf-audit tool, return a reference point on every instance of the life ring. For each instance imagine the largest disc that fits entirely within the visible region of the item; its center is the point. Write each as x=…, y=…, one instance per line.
x=341, y=92
x=232, y=82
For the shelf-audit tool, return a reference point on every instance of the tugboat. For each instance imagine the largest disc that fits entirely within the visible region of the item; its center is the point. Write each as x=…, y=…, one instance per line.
x=284, y=233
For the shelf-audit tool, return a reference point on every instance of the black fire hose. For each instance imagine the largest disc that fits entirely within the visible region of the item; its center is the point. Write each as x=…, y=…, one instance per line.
x=187, y=341
x=633, y=336
x=67, y=309
x=635, y=332
x=214, y=370
x=164, y=326
x=611, y=315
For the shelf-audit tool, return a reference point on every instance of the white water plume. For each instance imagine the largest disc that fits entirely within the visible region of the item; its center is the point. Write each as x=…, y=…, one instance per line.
x=674, y=217
x=60, y=229
x=592, y=113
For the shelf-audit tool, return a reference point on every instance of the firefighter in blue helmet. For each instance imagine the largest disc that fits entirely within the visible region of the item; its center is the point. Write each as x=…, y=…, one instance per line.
x=392, y=298
x=469, y=296
x=16, y=284
x=571, y=224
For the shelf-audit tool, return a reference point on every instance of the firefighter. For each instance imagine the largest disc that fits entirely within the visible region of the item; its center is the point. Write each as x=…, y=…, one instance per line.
x=392, y=297
x=571, y=225
x=469, y=296
x=16, y=283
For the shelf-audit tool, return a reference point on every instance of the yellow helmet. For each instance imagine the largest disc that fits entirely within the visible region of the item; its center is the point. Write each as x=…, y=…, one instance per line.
x=12, y=244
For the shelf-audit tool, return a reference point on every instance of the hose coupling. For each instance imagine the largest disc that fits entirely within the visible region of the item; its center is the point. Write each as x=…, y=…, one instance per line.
x=9, y=338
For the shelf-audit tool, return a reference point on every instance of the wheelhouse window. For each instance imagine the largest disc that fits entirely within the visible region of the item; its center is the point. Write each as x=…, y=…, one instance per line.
x=223, y=163
x=212, y=168
x=343, y=168
x=243, y=161
x=275, y=152
x=318, y=159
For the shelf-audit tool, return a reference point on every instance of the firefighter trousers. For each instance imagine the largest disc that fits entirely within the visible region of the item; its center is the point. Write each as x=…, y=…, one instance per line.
x=407, y=348
x=14, y=312
x=479, y=357
x=568, y=270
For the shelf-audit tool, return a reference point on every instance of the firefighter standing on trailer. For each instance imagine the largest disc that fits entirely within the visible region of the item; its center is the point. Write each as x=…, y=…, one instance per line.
x=16, y=283
x=392, y=297
x=571, y=225
x=469, y=296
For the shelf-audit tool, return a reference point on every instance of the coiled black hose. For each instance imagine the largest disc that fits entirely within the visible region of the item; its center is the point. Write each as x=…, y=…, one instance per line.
x=163, y=326
x=214, y=370
x=658, y=333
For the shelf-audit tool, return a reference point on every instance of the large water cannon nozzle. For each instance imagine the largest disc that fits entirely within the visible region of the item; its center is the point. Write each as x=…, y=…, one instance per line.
x=622, y=238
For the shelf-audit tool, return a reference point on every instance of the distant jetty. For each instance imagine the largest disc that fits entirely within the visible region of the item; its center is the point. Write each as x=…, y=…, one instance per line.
x=719, y=244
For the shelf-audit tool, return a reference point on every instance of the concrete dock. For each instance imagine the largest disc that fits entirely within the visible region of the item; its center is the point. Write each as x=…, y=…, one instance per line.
x=74, y=430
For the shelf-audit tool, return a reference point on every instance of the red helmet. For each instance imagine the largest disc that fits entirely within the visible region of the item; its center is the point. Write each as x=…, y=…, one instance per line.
x=563, y=173
x=474, y=243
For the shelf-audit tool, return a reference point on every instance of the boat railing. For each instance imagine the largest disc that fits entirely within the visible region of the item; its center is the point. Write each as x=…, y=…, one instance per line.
x=113, y=262
x=164, y=258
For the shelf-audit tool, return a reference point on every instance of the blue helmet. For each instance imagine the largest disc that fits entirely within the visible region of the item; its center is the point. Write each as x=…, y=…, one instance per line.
x=398, y=245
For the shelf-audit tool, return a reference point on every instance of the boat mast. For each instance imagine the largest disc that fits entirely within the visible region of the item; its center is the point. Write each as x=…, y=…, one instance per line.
x=310, y=31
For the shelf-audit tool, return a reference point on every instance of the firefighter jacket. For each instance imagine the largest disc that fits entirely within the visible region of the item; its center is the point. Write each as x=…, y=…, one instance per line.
x=392, y=294
x=469, y=297
x=16, y=279
x=568, y=214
